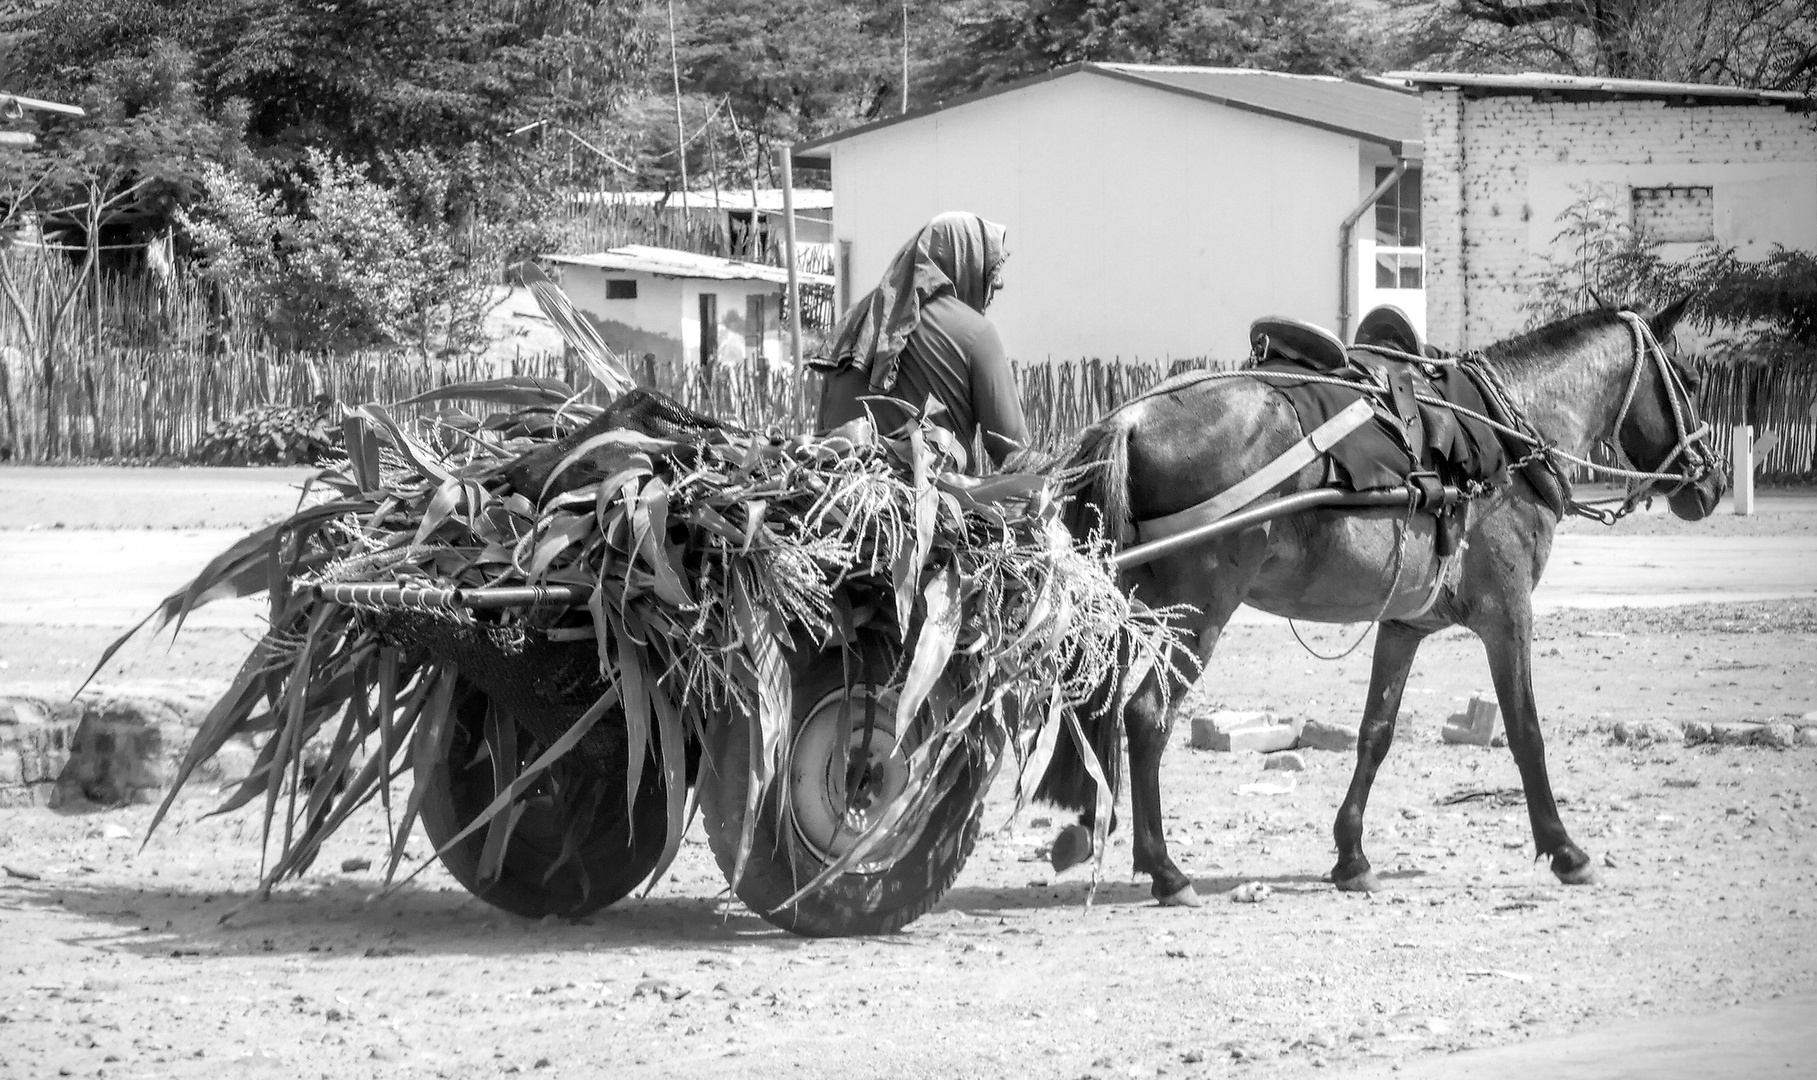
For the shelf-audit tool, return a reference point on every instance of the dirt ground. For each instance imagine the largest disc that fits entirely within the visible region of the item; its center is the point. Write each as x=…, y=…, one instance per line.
x=122, y=962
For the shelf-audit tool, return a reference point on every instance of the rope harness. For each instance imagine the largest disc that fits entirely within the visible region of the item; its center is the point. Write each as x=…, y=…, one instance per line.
x=1648, y=353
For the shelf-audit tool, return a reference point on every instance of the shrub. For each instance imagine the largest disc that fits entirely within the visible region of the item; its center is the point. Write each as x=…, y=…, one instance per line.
x=305, y=434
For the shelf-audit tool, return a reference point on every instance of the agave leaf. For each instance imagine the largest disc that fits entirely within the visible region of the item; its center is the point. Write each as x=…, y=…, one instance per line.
x=414, y=452
x=933, y=647
x=649, y=527
x=1106, y=797
x=447, y=497
x=775, y=708
x=606, y=366
x=434, y=738
x=572, y=528
x=519, y=390
x=674, y=765
x=633, y=680
x=1041, y=752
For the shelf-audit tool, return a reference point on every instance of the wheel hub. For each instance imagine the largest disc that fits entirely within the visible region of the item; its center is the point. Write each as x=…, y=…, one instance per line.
x=845, y=774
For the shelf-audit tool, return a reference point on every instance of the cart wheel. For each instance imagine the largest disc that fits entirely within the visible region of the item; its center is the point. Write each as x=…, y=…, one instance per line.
x=831, y=752
x=614, y=853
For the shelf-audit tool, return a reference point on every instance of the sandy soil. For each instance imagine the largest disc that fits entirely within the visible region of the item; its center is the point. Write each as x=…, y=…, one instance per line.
x=118, y=962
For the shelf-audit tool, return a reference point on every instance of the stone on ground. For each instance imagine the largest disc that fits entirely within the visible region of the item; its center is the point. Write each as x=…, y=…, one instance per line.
x=1648, y=732
x=1476, y=725
x=1285, y=760
x=1226, y=729
x=1327, y=735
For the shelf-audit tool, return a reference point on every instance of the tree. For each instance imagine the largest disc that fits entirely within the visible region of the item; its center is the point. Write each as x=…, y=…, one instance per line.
x=358, y=266
x=356, y=78
x=1003, y=40
x=1762, y=44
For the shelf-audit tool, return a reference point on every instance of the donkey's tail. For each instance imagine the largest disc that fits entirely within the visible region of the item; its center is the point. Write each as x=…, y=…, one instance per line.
x=1099, y=462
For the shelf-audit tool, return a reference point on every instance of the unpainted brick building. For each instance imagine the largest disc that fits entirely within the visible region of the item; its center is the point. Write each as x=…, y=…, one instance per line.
x=1506, y=156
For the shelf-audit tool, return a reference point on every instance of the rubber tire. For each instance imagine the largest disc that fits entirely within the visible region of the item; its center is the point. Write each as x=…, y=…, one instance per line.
x=779, y=864
x=616, y=858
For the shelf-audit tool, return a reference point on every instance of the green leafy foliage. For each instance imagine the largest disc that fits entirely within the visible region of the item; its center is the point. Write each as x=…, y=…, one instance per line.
x=1761, y=310
x=306, y=434
x=353, y=268
x=1765, y=44
x=1003, y=40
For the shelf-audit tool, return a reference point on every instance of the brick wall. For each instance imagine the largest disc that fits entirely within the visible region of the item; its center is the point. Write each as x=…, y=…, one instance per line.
x=1496, y=166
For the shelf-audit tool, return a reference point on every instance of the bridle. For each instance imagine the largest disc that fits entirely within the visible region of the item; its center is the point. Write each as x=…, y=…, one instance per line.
x=1690, y=445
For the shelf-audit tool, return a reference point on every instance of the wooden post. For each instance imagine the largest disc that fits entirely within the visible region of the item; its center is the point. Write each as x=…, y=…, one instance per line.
x=788, y=241
x=1742, y=454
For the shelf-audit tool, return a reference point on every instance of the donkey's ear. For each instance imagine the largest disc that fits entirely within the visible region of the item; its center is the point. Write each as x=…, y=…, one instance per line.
x=1668, y=316
x=1601, y=304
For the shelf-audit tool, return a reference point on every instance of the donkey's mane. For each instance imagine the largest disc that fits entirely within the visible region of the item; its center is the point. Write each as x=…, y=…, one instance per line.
x=1531, y=359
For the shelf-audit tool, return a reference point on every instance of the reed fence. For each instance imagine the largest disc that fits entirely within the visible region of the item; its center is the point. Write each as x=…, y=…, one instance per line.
x=138, y=370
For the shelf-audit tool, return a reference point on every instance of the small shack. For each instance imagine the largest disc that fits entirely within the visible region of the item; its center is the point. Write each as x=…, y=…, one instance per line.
x=679, y=306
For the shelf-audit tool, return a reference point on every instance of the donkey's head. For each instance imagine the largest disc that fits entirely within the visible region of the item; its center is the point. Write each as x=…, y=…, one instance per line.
x=1660, y=428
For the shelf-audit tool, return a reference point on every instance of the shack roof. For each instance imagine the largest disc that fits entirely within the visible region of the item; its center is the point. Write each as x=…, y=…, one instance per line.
x=1592, y=88
x=1371, y=112
x=668, y=262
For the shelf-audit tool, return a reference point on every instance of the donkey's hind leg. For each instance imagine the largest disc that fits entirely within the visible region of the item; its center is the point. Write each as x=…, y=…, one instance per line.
x=1395, y=646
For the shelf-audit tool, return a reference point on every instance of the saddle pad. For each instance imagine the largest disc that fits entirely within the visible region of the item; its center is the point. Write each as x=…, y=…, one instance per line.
x=1458, y=448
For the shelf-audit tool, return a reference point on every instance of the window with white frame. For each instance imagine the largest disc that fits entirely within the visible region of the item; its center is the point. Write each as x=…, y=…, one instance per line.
x=1400, y=263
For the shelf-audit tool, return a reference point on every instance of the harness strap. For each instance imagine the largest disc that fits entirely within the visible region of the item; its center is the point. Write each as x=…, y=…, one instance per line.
x=1260, y=482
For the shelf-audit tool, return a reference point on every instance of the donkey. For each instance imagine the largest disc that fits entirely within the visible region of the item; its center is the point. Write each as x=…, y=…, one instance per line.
x=1600, y=376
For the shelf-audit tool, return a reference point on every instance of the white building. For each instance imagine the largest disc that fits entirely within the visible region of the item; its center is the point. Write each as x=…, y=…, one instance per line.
x=1152, y=211
x=679, y=306
x=1507, y=154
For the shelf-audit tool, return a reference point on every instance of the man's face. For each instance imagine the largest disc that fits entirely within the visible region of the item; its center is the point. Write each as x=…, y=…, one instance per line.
x=993, y=285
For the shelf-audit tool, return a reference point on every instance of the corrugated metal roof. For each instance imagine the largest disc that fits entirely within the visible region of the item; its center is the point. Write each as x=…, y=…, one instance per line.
x=1368, y=111
x=668, y=262
x=1586, y=86
x=768, y=199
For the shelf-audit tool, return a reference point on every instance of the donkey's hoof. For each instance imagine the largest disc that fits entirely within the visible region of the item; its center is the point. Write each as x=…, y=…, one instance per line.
x=1184, y=898
x=1583, y=875
x=1363, y=882
x=1071, y=847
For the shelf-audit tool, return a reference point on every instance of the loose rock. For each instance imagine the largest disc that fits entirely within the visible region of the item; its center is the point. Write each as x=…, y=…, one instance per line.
x=1735, y=734
x=1778, y=736
x=1648, y=732
x=1327, y=735
x=1253, y=892
x=1286, y=760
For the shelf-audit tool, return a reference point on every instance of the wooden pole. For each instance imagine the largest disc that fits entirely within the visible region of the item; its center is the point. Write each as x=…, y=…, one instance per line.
x=681, y=131
x=905, y=52
x=788, y=242
x=1741, y=451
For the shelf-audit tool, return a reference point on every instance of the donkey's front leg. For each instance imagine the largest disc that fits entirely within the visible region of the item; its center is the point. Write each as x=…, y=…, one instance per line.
x=1509, y=641
x=1395, y=646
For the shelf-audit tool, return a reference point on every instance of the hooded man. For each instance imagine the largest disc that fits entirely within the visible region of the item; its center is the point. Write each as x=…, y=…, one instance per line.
x=921, y=334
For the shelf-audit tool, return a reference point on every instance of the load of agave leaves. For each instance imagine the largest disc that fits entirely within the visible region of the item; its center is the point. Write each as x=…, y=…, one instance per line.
x=701, y=561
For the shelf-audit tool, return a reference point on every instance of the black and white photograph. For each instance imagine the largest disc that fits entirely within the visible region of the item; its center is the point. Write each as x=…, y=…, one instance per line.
x=842, y=539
